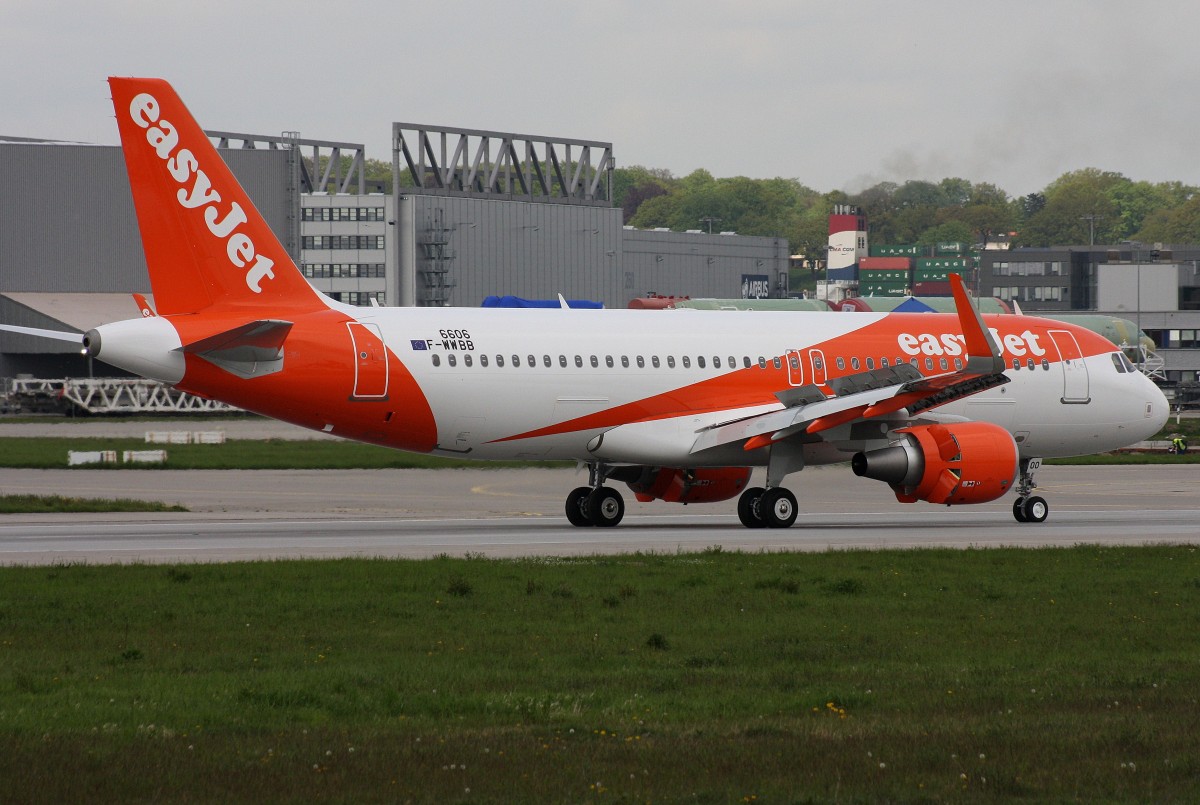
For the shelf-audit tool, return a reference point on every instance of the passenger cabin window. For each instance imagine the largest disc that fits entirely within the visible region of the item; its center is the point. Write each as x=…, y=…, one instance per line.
x=450, y=359
x=746, y=361
x=578, y=361
x=929, y=364
x=958, y=364
x=533, y=361
x=854, y=364
x=608, y=361
x=546, y=361
x=793, y=362
x=777, y=363
x=687, y=362
x=499, y=360
x=716, y=362
x=624, y=361
x=841, y=363
x=467, y=359
x=641, y=362
x=516, y=360
x=1046, y=364
x=654, y=361
x=732, y=363
x=700, y=361
x=870, y=363
x=483, y=360
x=436, y=360
x=1017, y=363
x=883, y=363
x=595, y=362
x=762, y=362
x=944, y=364
x=562, y=361
x=670, y=361
x=1029, y=363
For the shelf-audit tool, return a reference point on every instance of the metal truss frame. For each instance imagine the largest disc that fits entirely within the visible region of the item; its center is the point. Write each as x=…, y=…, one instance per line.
x=353, y=181
x=460, y=162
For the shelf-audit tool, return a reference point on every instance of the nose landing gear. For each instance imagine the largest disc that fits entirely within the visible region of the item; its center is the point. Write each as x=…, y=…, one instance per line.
x=1027, y=508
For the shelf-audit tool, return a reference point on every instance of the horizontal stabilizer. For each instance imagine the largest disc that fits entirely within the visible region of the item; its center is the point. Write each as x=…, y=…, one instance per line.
x=250, y=350
x=260, y=340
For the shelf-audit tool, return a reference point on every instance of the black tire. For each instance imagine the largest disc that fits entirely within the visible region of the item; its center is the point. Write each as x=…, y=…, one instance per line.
x=1036, y=510
x=777, y=507
x=748, y=507
x=605, y=507
x=1019, y=510
x=577, y=513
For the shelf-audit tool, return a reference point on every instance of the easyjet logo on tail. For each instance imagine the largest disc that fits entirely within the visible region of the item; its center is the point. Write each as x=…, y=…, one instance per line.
x=222, y=221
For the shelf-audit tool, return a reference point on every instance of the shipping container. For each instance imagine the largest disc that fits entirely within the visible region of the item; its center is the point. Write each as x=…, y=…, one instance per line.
x=931, y=289
x=884, y=275
x=885, y=262
x=907, y=250
x=943, y=262
x=950, y=248
x=883, y=289
x=845, y=274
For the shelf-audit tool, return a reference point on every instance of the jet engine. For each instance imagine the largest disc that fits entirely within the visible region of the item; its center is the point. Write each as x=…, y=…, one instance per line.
x=684, y=486
x=970, y=462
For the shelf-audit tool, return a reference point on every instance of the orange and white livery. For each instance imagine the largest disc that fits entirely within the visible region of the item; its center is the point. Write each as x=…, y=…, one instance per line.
x=945, y=408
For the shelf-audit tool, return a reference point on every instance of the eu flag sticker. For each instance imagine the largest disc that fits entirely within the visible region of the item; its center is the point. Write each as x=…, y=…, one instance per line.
x=418, y=344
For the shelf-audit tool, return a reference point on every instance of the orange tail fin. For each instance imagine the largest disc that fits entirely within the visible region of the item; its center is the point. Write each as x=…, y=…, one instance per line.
x=206, y=245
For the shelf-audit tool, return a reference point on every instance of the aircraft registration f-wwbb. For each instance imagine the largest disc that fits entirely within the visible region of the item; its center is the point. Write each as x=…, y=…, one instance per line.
x=945, y=408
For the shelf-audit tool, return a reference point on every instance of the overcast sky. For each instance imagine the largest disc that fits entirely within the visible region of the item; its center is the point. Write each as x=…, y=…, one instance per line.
x=838, y=95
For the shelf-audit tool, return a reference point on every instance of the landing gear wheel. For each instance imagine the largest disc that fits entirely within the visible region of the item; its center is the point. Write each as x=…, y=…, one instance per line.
x=777, y=507
x=1036, y=510
x=577, y=512
x=748, y=507
x=605, y=507
x=1019, y=510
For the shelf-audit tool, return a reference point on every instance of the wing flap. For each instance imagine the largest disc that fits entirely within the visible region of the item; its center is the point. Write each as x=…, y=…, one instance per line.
x=871, y=394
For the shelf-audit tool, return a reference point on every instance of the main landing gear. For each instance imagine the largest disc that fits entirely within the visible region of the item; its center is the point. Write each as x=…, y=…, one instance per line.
x=1029, y=508
x=767, y=508
x=597, y=504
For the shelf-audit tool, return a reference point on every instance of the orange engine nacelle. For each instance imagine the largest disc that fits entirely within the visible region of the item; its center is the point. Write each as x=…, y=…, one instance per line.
x=971, y=462
x=689, y=486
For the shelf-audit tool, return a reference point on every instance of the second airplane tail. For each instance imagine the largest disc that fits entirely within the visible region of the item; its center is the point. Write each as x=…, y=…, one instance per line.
x=206, y=245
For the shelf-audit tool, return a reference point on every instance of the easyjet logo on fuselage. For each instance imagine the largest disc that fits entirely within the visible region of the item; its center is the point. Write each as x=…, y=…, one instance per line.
x=183, y=166
x=1020, y=345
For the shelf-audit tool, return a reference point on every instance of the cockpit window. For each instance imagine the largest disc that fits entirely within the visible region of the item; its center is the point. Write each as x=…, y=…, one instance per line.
x=1117, y=362
x=1129, y=367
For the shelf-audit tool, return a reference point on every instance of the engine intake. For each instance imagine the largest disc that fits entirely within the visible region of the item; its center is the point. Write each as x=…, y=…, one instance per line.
x=972, y=462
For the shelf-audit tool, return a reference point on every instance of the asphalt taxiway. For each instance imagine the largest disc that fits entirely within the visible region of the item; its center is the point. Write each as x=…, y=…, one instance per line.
x=261, y=514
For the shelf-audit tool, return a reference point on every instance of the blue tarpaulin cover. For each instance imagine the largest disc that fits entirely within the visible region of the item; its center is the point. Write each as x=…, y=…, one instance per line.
x=516, y=301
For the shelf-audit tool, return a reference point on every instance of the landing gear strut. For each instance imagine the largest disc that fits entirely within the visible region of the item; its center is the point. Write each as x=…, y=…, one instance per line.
x=1029, y=508
x=595, y=505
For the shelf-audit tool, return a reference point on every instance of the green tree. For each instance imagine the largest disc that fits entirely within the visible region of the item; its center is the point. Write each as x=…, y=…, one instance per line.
x=1074, y=201
x=1179, y=224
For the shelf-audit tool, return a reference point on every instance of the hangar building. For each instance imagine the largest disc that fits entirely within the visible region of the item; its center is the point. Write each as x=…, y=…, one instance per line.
x=473, y=213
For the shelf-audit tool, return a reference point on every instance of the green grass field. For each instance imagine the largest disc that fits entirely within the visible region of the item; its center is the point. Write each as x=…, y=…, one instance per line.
x=1036, y=675
x=279, y=454
x=246, y=454
x=27, y=504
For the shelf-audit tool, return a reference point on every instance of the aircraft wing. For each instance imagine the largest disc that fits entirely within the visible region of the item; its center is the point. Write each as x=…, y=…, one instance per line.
x=867, y=395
